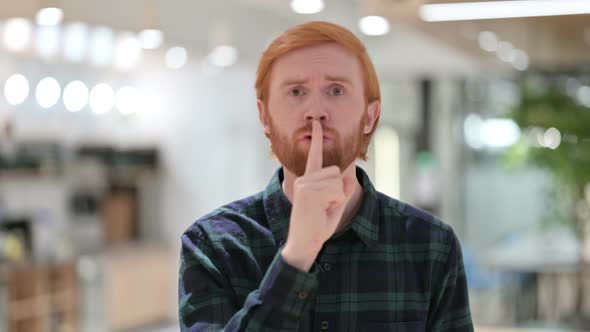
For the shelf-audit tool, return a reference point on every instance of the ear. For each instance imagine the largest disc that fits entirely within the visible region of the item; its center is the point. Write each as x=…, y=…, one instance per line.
x=264, y=121
x=373, y=112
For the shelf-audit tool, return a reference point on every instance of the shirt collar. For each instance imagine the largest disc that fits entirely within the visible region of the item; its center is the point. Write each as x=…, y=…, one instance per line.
x=277, y=208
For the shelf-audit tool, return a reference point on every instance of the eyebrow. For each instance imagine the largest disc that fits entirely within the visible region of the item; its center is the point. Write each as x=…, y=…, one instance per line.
x=296, y=81
x=340, y=79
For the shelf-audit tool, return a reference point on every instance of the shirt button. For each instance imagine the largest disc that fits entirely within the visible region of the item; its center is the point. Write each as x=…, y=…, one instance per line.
x=302, y=295
x=327, y=266
x=325, y=325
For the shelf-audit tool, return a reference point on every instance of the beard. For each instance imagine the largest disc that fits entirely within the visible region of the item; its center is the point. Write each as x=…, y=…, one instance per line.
x=293, y=155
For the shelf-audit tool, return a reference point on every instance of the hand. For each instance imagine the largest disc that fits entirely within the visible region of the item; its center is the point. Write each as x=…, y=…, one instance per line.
x=320, y=196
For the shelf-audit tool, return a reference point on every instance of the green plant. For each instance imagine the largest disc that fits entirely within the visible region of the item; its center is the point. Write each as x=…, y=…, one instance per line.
x=545, y=106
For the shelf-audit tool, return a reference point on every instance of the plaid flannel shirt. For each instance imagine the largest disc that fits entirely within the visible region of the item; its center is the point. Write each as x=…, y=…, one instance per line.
x=393, y=268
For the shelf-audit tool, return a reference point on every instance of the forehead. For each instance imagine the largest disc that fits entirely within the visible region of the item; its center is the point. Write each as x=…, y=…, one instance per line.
x=329, y=59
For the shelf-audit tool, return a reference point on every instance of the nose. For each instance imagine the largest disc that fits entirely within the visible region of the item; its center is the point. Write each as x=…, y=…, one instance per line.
x=316, y=109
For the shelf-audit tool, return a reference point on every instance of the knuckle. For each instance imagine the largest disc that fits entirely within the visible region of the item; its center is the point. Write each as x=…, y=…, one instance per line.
x=298, y=186
x=298, y=180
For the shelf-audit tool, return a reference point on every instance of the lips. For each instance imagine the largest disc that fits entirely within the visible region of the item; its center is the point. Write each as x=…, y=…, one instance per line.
x=307, y=138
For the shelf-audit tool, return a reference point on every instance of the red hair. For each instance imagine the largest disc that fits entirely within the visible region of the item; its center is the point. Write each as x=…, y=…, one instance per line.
x=313, y=33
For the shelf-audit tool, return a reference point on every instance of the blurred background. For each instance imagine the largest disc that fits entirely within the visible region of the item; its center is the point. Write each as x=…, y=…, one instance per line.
x=121, y=122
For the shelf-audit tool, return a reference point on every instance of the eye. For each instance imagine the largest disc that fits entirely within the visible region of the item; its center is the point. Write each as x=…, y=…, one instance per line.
x=336, y=91
x=296, y=92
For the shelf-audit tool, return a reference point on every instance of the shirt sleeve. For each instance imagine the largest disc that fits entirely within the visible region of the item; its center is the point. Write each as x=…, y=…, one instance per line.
x=207, y=301
x=450, y=310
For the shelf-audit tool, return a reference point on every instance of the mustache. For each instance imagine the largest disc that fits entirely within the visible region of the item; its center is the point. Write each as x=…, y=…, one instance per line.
x=308, y=128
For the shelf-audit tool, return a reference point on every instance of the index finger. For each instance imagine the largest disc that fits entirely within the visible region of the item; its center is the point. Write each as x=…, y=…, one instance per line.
x=315, y=154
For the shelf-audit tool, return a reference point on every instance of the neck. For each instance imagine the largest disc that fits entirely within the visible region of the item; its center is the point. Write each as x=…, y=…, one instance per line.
x=351, y=207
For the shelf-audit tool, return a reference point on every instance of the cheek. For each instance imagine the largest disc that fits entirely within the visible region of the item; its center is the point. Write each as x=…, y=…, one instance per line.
x=283, y=106
x=352, y=102
x=348, y=108
x=294, y=104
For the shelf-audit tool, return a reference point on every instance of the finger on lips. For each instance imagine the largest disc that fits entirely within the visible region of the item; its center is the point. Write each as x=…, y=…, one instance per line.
x=315, y=154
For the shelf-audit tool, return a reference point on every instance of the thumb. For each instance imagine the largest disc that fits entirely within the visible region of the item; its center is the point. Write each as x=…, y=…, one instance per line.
x=337, y=208
x=342, y=200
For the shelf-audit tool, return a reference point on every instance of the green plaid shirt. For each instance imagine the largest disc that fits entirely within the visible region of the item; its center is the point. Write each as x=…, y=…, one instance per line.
x=394, y=268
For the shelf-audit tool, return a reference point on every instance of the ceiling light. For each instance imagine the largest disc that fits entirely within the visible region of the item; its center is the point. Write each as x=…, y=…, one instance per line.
x=505, y=51
x=101, y=46
x=16, y=89
x=49, y=16
x=223, y=56
x=176, y=57
x=75, y=41
x=488, y=41
x=374, y=25
x=75, y=96
x=520, y=60
x=151, y=39
x=48, y=92
x=102, y=98
x=307, y=6
x=127, y=52
x=17, y=34
x=501, y=9
x=47, y=40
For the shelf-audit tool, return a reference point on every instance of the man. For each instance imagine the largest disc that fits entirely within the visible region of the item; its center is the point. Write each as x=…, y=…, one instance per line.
x=319, y=249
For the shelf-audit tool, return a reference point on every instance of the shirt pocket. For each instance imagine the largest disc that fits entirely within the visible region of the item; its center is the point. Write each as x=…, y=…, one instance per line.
x=413, y=326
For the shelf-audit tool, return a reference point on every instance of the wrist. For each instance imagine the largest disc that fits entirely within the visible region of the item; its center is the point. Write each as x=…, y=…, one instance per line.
x=300, y=257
